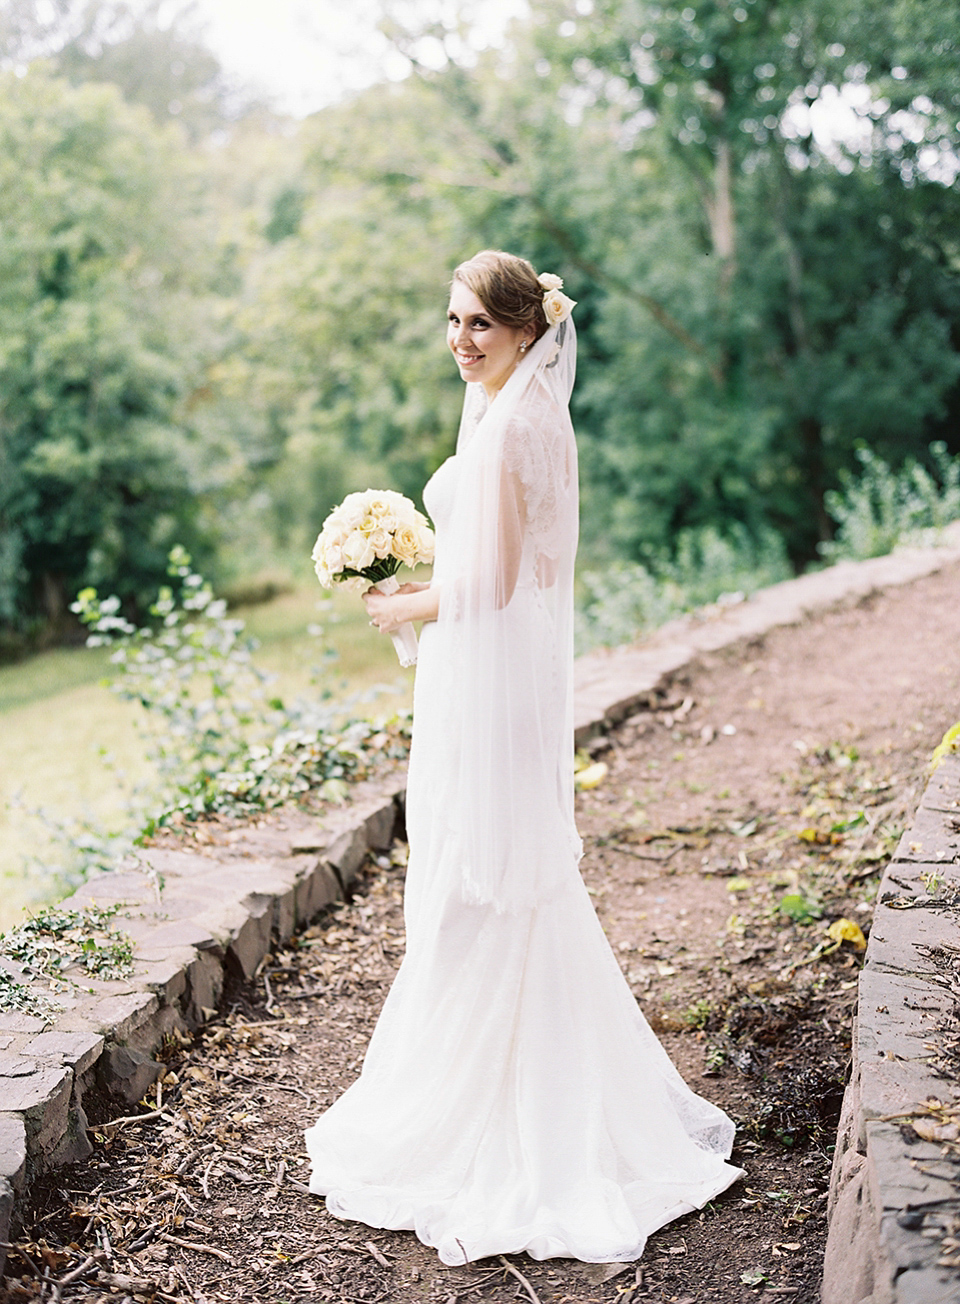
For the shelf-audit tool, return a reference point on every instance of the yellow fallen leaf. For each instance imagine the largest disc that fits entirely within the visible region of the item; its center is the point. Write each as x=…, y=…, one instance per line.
x=808, y=835
x=949, y=744
x=591, y=777
x=738, y=884
x=845, y=930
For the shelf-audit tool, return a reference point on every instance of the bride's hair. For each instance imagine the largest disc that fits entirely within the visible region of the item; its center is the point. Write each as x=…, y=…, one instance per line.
x=508, y=288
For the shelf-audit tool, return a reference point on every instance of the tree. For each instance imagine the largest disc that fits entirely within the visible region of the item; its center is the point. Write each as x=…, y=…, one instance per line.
x=340, y=347
x=156, y=56
x=104, y=328
x=809, y=298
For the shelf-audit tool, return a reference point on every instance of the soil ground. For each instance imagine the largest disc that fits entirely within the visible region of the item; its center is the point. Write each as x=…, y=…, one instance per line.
x=741, y=815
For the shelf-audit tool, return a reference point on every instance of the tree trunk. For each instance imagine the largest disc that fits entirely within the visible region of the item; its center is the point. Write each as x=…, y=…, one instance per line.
x=811, y=433
x=721, y=214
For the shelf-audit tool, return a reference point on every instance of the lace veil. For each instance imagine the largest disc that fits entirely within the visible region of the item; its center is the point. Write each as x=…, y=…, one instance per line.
x=505, y=574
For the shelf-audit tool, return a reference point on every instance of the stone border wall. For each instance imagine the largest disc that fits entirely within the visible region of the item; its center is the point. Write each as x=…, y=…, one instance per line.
x=893, y=1194
x=197, y=916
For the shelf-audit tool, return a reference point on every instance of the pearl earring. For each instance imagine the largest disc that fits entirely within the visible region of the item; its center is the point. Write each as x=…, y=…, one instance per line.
x=523, y=346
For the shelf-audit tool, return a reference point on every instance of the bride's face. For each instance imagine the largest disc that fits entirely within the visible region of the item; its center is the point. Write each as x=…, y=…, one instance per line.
x=486, y=350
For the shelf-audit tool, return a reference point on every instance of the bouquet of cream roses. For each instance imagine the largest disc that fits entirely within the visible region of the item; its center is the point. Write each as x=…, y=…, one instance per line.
x=366, y=540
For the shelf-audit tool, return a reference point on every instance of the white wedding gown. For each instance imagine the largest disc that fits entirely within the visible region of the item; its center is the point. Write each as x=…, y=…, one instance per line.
x=513, y=1097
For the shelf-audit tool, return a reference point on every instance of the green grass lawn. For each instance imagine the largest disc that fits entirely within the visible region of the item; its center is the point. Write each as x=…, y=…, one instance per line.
x=70, y=746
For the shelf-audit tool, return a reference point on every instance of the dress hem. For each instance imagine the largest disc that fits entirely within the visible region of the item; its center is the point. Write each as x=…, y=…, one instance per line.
x=539, y=1243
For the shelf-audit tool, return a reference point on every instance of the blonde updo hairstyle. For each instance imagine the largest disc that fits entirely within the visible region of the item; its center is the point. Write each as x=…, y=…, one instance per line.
x=508, y=288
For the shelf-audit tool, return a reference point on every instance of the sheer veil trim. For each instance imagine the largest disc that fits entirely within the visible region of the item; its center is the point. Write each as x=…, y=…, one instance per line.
x=505, y=576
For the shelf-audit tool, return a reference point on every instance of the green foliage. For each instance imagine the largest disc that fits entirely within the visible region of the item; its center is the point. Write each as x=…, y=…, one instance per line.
x=18, y=998
x=215, y=344
x=217, y=738
x=101, y=319
x=626, y=599
x=778, y=296
x=341, y=352
x=949, y=745
x=55, y=939
x=882, y=507
x=698, y=1014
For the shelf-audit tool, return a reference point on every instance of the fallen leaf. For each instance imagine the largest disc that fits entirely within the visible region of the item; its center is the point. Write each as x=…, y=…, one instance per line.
x=950, y=743
x=845, y=930
x=598, y=1273
x=796, y=907
x=591, y=777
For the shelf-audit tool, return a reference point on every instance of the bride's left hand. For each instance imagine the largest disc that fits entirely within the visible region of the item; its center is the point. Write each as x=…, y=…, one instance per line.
x=382, y=610
x=410, y=602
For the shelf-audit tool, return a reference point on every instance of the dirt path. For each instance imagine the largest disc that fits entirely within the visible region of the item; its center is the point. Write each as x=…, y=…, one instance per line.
x=738, y=819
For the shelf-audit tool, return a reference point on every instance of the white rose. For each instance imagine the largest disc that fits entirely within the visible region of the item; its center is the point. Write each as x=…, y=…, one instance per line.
x=321, y=564
x=353, y=505
x=405, y=545
x=425, y=544
x=557, y=306
x=402, y=508
x=357, y=552
x=376, y=504
x=550, y=282
x=379, y=540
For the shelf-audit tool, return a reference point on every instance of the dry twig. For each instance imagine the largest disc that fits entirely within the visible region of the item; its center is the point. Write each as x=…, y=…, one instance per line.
x=515, y=1272
x=128, y=1118
x=200, y=1249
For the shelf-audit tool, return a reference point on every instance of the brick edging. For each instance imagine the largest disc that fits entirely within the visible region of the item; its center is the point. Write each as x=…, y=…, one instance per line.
x=891, y=1201
x=194, y=916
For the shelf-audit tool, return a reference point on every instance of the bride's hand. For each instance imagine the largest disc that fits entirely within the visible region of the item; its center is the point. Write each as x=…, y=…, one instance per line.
x=410, y=602
x=383, y=609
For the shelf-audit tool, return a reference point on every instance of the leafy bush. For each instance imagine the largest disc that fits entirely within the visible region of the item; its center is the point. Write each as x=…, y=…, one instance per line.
x=217, y=739
x=628, y=599
x=882, y=507
x=874, y=513
x=108, y=316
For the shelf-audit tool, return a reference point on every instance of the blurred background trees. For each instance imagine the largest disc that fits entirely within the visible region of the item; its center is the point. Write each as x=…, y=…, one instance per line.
x=215, y=321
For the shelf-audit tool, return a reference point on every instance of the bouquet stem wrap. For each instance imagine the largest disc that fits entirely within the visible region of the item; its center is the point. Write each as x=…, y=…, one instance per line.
x=405, y=638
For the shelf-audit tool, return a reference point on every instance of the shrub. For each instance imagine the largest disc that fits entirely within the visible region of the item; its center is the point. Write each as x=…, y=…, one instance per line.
x=628, y=599
x=882, y=507
x=218, y=740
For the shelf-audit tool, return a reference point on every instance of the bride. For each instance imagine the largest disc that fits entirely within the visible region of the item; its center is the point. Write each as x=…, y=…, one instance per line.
x=513, y=1097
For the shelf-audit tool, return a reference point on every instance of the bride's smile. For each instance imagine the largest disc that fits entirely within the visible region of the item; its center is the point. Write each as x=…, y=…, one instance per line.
x=486, y=350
